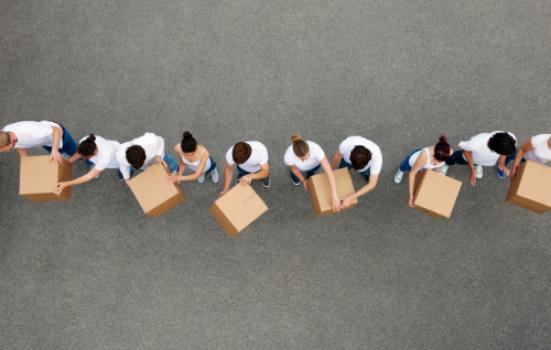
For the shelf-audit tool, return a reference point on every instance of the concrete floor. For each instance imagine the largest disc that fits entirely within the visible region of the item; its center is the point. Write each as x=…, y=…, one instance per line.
x=96, y=274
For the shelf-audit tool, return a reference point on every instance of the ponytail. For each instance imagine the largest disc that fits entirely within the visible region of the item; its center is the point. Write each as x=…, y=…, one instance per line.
x=300, y=147
x=88, y=147
x=442, y=149
x=188, y=144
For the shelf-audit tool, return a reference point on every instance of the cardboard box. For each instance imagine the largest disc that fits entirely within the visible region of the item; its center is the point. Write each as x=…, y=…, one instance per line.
x=39, y=176
x=238, y=208
x=320, y=192
x=155, y=194
x=435, y=193
x=531, y=188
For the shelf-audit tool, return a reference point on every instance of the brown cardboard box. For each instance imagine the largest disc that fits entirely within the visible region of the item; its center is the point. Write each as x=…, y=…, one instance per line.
x=531, y=187
x=435, y=193
x=39, y=176
x=238, y=208
x=320, y=192
x=155, y=194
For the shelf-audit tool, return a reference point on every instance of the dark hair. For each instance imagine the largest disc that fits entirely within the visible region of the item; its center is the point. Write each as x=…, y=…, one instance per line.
x=241, y=152
x=188, y=144
x=502, y=143
x=360, y=157
x=442, y=149
x=88, y=146
x=135, y=155
x=300, y=147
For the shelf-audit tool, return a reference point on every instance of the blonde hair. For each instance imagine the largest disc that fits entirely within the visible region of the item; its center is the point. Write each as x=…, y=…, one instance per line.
x=4, y=138
x=300, y=147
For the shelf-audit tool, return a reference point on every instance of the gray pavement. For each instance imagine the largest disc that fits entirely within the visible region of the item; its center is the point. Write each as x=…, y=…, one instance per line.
x=96, y=274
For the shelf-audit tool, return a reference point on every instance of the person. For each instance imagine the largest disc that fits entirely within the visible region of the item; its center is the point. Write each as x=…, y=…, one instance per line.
x=251, y=160
x=98, y=153
x=304, y=159
x=362, y=155
x=53, y=137
x=141, y=153
x=484, y=149
x=196, y=157
x=428, y=158
x=536, y=149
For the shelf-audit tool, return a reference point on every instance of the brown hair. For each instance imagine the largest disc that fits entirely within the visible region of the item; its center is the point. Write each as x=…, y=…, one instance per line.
x=300, y=147
x=442, y=149
x=4, y=138
x=360, y=157
x=241, y=152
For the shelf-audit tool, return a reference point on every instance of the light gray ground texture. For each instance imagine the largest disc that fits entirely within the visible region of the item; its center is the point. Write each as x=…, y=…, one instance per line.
x=95, y=273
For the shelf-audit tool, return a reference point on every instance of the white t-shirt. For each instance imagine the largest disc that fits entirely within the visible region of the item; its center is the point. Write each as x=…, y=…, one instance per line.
x=376, y=162
x=316, y=154
x=33, y=134
x=541, y=152
x=259, y=156
x=428, y=163
x=106, y=158
x=152, y=144
x=478, y=145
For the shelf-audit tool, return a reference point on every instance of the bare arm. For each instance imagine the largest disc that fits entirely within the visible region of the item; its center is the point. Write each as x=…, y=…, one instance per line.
x=373, y=179
x=78, y=181
x=23, y=152
x=336, y=160
x=528, y=146
x=262, y=173
x=336, y=202
x=469, y=156
x=199, y=171
x=54, y=155
x=74, y=158
x=297, y=173
x=228, y=175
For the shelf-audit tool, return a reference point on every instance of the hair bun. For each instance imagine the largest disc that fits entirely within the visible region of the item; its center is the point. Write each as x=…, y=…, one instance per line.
x=187, y=135
x=442, y=138
x=91, y=138
x=296, y=137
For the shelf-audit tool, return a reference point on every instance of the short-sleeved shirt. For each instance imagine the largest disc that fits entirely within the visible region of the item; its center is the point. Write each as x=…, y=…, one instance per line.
x=478, y=145
x=347, y=146
x=32, y=134
x=153, y=146
x=259, y=156
x=315, y=156
x=541, y=152
x=106, y=158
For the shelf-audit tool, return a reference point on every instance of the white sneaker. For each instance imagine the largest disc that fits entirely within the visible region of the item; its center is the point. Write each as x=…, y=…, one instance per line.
x=398, y=176
x=479, y=172
x=267, y=183
x=214, y=176
x=444, y=169
x=201, y=178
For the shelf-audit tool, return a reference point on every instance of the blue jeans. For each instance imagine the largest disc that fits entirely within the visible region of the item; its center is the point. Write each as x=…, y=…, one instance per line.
x=306, y=174
x=404, y=164
x=171, y=163
x=512, y=157
x=212, y=167
x=69, y=144
x=458, y=158
x=366, y=173
x=241, y=173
